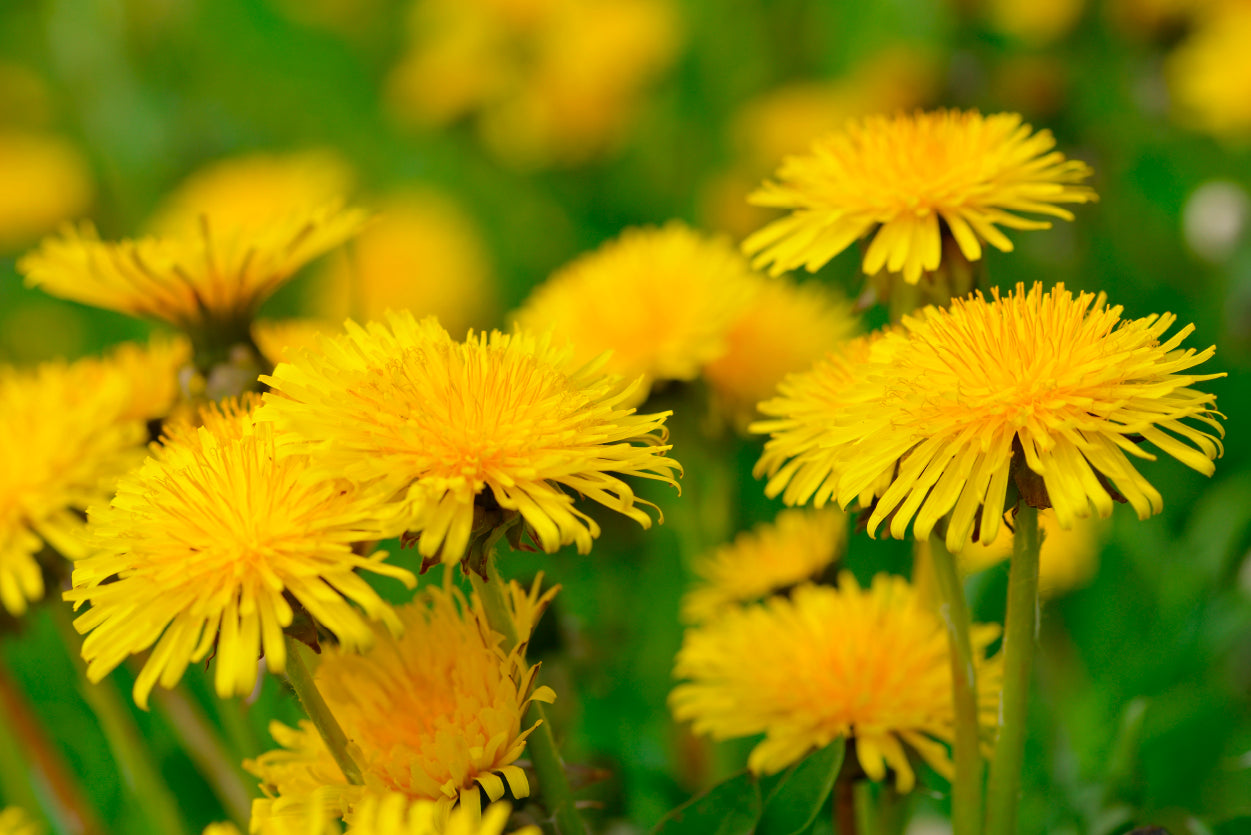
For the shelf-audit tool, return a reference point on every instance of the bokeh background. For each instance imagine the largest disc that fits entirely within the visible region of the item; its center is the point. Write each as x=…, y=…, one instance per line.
x=498, y=139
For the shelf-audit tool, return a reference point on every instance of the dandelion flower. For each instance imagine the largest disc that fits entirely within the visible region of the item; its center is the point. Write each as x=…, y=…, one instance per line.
x=209, y=546
x=15, y=821
x=210, y=277
x=395, y=814
x=1043, y=383
x=500, y=421
x=65, y=437
x=44, y=181
x=786, y=327
x=661, y=300
x=909, y=179
x=1209, y=74
x=797, y=547
x=436, y=714
x=869, y=664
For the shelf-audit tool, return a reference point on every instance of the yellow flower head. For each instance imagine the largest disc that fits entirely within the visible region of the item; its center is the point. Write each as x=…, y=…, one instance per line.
x=225, y=242
x=422, y=253
x=15, y=821
x=436, y=714
x=1042, y=383
x=1209, y=75
x=67, y=432
x=661, y=300
x=869, y=664
x=204, y=547
x=908, y=179
x=784, y=328
x=461, y=429
x=44, y=181
x=797, y=547
x=395, y=814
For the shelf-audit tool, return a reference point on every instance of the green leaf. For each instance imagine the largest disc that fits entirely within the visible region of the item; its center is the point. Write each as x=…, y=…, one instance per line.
x=799, y=795
x=728, y=808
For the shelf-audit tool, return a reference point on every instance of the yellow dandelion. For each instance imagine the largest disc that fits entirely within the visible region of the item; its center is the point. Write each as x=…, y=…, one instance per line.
x=44, y=181
x=661, y=300
x=210, y=272
x=784, y=328
x=150, y=374
x=15, y=821
x=908, y=180
x=1043, y=383
x=395, y=814
x=212, y=544
x=866, y=664
x=436, y=714
x=463, y=429
x=422, y=253
x=1209, y=74
x=286, y=338
x=65, y=436
x=797, y=547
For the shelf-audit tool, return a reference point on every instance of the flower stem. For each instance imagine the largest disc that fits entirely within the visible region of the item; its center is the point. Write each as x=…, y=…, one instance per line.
x=845, y=819
x=550, y=768
x=130, y=750
x=966, y=788
x=1020, y=635
x=319, y=712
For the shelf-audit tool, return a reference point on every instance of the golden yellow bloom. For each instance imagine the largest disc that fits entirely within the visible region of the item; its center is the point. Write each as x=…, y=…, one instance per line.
x=869, y=664
x=395, y=814
x=67, y=432
x=287, y=338
x=909, y=179
x=150, y=374
x=1209, y=74
x=463, y=428
x=215, y=275
x=1038, y=382
x=44, y=181
x=784, y=328
x=15, y=821
x=205, y=547
x=662, y=300
x=436, y=714
x=797, y=547
x=422, y=253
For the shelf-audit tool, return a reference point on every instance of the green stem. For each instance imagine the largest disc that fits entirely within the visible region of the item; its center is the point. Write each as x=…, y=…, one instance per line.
x=548, y=766
x=130, y=750
x=1020, y=635
x=199, y=739
x=319, y=712
x=966, y=788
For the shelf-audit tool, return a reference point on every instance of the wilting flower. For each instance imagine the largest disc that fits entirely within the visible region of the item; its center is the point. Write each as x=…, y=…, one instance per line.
x=797, y=547
x=226, y=242
x=67, y=432
x=212, y=544
x=44, y=181
x=1037, y=386
x=661, y=300
x=15, y=821
x=395, y=814
x=866, y=664
x=908, y=180
x=464, y=429
x=784, y=328
x=1209, y=74
x=436, y=714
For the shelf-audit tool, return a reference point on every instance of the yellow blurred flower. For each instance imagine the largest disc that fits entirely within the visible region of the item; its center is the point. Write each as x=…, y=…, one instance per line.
x=67, y=432
x=395, y=814
x=866, y=664
x=1043, y=388
x=1068, y=559
x=1209, y=74
x=907, y=180
x=462, y=430
x=422, y=253
x=1035, y=24
x=662, y=300
x=285, y=339
x=221, y=829
x=797, y=547
x=436, y=714
x=784, y=328
x=44, y=181
x=212, y=545
x=15, y=821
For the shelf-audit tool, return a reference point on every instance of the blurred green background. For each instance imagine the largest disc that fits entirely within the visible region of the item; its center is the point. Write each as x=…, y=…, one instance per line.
x=1143, y=708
